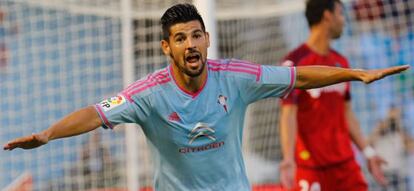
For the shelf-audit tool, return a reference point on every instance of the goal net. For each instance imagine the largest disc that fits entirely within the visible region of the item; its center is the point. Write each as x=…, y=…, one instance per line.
x=59, y=56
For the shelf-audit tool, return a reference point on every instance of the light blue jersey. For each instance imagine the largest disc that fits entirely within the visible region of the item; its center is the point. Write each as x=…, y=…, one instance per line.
x=196, y=138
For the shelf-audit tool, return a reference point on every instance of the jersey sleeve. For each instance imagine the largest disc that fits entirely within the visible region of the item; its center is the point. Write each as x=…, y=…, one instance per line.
x=274, y=81
x=289, y=61
x=290, y=98
x=119, y=109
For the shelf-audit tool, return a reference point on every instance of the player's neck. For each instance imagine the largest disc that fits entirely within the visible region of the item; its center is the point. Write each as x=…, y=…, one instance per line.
x=319, y=41
x=187, y=83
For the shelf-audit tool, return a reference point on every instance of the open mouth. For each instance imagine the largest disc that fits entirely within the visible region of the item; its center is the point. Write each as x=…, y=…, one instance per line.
x=192, y=57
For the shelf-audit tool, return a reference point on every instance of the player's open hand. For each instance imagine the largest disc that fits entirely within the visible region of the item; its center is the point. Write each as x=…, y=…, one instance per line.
x=287, y=173
x=373, y=75
x=374, y=167
x=27, y=142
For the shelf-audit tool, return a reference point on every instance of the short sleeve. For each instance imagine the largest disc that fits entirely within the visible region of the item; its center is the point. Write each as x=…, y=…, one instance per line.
x=117, y=110
x=274, y=81
x=291, y=97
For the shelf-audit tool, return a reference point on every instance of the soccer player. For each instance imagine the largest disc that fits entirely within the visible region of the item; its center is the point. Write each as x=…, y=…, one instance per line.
x=192, y=111
x=318, y=125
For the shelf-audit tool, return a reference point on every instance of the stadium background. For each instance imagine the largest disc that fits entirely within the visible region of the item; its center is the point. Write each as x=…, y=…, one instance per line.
x=58, y=56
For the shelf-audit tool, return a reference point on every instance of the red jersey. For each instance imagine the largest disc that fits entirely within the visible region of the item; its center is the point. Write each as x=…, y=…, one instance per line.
x=323, y=137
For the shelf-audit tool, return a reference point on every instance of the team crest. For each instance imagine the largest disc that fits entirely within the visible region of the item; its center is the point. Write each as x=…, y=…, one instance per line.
x=222, y=100
x=112, y=102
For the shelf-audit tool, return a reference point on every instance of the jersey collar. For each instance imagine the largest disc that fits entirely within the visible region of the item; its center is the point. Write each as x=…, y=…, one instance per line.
x=186, y=92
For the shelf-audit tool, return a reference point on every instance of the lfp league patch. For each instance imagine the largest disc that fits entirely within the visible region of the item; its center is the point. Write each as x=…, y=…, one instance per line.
x=112, y=102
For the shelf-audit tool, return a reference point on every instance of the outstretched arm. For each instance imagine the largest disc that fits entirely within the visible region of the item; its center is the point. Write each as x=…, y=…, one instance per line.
x=76, y=123
x=308, y=77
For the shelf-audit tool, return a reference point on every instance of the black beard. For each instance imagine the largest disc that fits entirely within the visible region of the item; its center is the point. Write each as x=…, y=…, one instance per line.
x=187, y=72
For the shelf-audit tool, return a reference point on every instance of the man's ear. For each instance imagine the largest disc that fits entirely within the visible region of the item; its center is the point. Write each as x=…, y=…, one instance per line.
x=208, y=39
x=165, y=47
x=327, y=15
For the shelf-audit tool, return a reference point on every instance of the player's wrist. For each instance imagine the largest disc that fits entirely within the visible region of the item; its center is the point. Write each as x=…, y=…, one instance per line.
x=284, y=164
x=288, y=160
x=45, y=136
x=358, y=74
x=288, y=157
x=369, y=152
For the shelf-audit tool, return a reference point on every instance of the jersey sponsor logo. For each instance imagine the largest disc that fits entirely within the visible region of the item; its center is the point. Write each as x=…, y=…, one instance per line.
x=339, y=88
x=304, y=155
x=214, y=145
x=222, y=100
x=112, y=102
x=201, y=130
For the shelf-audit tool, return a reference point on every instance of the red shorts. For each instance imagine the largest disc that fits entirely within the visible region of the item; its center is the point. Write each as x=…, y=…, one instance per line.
x=341, y=177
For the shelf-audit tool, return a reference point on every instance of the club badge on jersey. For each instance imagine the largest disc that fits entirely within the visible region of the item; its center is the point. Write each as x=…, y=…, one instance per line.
x=222, y=100
x=112, y=102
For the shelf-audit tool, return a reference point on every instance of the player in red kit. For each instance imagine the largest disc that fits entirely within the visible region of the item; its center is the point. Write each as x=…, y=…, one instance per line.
x=320, y=156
